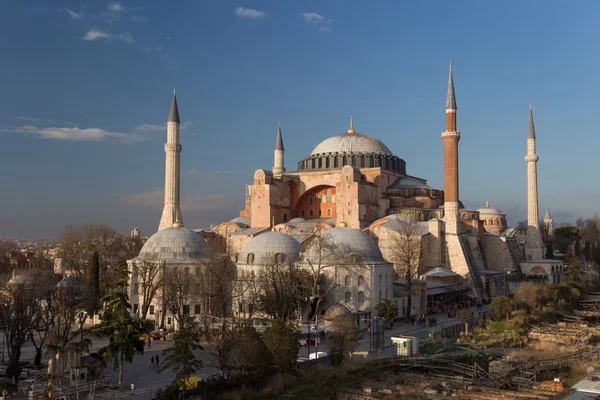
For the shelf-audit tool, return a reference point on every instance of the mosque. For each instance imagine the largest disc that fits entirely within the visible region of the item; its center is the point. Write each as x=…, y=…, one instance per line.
x=353, y=191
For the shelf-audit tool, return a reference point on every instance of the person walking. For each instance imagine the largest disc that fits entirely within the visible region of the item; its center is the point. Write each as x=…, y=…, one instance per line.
x=149, y=342
x=152, y=362
x=157, y=361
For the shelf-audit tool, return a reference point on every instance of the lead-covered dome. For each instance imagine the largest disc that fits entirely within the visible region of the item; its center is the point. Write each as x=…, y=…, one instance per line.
x=336, y=244
x=270, y=247
x=354, y=149
x=173, y=244
x=351, y=143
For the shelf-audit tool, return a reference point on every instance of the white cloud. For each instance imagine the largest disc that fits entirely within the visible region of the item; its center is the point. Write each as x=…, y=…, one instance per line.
x=96, y=34
x=313, y=18
x=125, y=37
x=73, y=14
x=150, y=128
x=146, y=48
x=318, y=19
x=116, y=7
x=74, y=134
x=249, y=13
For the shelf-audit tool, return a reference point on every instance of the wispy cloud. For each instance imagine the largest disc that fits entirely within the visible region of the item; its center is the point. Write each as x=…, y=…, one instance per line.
x=313, y=18
x=116, y=7
x=190, y=202
x=318, y=19
x=250, y=13
x=150, y=128
x=34, y=119
x=125, y=37
x=74, y=134
x=73, y=14
x=114, y=12
x=97, y=34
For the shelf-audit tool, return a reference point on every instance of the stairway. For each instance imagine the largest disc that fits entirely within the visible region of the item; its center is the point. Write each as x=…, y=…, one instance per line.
x=473, y=270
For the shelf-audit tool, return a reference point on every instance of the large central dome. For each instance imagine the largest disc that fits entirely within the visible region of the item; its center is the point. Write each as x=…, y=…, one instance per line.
x=354, y=149
x=352, y=143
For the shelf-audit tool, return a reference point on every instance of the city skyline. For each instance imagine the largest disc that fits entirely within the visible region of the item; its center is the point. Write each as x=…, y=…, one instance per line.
x=87, y=125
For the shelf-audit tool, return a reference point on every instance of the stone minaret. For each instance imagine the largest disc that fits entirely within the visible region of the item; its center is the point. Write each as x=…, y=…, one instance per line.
x=278, y=165
x=534, y=247
x=172, y=211
x=451, y=137
x=548, y=223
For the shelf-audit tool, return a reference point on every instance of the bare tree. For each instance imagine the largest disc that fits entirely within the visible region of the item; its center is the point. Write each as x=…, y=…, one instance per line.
x=20, y=307
x=149, y=281
x=282, y=287
x=404, y=251
x=78, y=243
x=178, y=291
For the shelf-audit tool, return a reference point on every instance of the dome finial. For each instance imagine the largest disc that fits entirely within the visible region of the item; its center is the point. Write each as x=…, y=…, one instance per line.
x=273, y=223
x=487, y=204
x=343, y=224
x=351, y=129
x=177, y=223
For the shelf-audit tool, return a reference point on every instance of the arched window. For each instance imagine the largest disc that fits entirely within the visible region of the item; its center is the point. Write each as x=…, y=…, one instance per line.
x=380, y=279
x=250, y=259
x=329, y=212
x=348, y=280
x=386, y=294
x=380, y=296
x=361, y=298
x=319, y=212
x=302, y=213
x=310, y=200
x=328, y=196
x=361, y=280
x=386, y=277
x=279, y=257
x=473, y=216
x=310, y=212
x=348, y=297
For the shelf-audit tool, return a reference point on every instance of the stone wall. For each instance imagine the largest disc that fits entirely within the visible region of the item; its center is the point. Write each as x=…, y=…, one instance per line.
x=498, y=254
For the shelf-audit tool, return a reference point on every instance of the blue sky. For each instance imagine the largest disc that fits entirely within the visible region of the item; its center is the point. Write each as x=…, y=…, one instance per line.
x=85, y=90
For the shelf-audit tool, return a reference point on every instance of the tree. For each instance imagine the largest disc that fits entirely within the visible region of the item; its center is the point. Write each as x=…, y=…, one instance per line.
x=93, y=285
x=531, y=295
x=123, y=331
x=149, y=278
x=20, y=307
x=566, y=236
x=387, y=310
x=179, y=288
x=464, y=315
x=502, y=307
x=404, y=249
x=343, y=339
x=181, y=358
x=283, y=342
x=281, y=288
x=549, y=251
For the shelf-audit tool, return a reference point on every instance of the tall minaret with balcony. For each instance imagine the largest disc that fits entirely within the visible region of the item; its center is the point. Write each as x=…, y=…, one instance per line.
x=451, y=137
x=172, y=211
x=534, y=247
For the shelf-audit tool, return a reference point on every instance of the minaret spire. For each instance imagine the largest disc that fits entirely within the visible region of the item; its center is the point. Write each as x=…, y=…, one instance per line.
x=534, y=247
x=450, y=97
x=278, y=154
x=171, y=215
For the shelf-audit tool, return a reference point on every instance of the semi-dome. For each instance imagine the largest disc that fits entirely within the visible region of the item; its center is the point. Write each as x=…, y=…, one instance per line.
x=173, y=244
x=264, y=248
x=351, y=143
x=338, y=242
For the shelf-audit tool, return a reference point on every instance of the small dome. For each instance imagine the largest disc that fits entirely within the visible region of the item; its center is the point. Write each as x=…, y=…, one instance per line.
x=346, y=241
x=489, y=210
x=267, y=245
x=176, y=244
x=239, y=220
x=296, y=220
x=408, y=182
x=70, y=282
x=20, y=280
x=351, y=143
